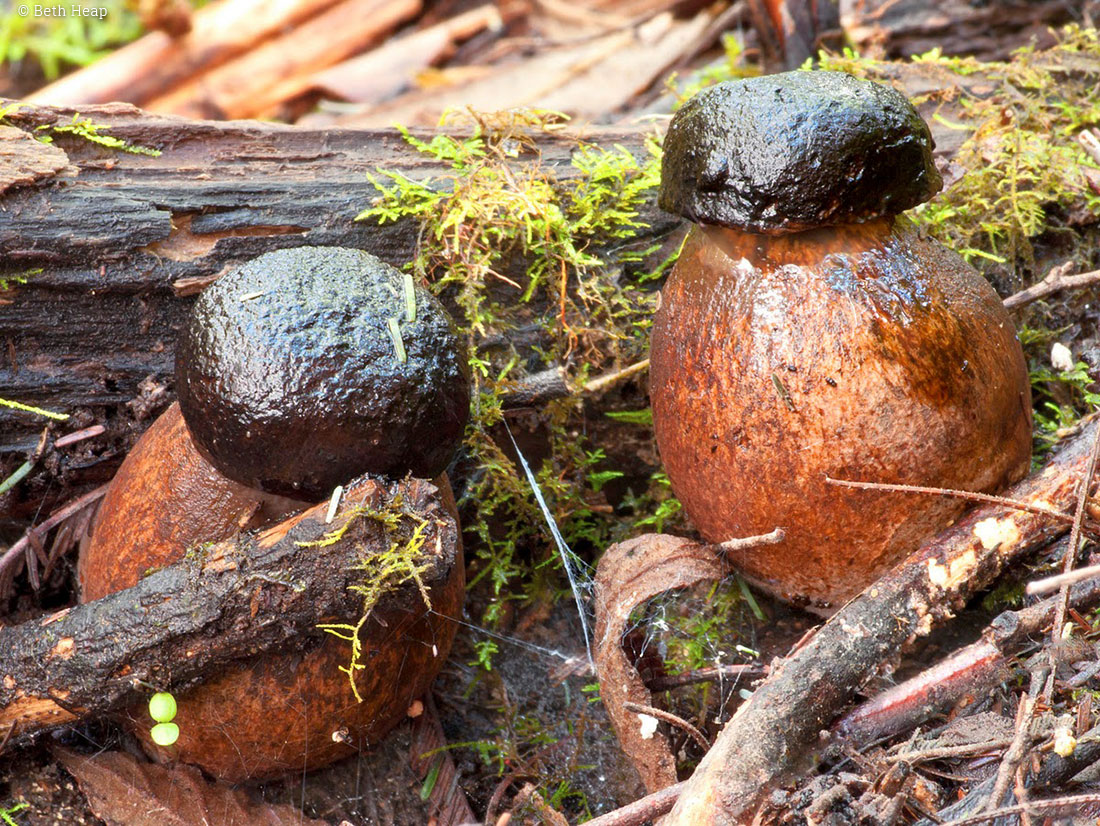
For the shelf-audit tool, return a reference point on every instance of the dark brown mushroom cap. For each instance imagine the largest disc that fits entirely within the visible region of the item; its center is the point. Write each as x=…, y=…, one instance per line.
x=291, y=382
x=794, y=151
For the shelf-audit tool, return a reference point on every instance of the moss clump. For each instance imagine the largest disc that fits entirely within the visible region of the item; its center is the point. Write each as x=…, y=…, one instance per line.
x=545, y=269
x=402, y=562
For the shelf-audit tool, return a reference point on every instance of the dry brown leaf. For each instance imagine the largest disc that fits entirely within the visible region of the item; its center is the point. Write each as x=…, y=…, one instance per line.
x=125, y=792
x=430, y=756
x=630, y=573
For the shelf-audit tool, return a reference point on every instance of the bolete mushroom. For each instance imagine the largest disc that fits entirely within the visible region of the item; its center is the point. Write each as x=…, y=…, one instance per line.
x=809, y=331
x=296, y=372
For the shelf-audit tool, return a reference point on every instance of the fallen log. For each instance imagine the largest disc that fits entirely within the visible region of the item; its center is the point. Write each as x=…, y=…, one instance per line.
x=114, y=246
x=237, y=598
x=785, y=724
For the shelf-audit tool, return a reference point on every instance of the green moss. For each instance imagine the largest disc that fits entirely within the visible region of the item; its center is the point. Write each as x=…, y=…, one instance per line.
x=93, y=133
x=56, y=43
x=525, y=253
x=383, y=571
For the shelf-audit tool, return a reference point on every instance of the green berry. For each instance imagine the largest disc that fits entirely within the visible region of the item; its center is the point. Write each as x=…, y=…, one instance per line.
x=162, y=707
x=165, y=734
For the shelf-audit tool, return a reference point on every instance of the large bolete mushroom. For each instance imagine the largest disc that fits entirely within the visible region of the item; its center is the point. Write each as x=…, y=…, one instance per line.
x=298, y=371
x=810, y=331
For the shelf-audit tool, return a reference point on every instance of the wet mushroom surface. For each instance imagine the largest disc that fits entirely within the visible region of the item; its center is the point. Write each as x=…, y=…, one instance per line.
x=857, y=349
x=318, y=340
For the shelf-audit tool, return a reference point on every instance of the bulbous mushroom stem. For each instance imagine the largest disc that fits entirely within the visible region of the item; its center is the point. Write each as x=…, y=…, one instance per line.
x=277, y=713
x=300, y=370
x=806, y=332
x=863, y=352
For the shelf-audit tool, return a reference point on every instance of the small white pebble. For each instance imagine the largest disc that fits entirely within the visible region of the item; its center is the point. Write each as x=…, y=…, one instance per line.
x=1061, y=358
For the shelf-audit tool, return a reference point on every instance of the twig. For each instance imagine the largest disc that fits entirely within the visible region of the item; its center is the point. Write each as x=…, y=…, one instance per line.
x=79, y=435
x=944, y=752
x=703, y=675
x=969, y=495
x=773, y=537
x=1054, y=583
x=1054, y=771
x=1055, y=281
x=1074, y=800
x=600, y=382
x=1074, y=541
x=671, y=719
x=643, y=810
x=59, y=516
x=1020, y=742
x=973, y=669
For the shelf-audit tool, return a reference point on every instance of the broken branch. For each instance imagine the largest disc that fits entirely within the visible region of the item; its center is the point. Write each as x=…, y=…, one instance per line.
x=183, y=621
x=778, y=732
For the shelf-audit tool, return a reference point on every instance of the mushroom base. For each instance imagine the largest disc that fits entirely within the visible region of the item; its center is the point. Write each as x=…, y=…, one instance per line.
x=863, y=352
x=277, y=713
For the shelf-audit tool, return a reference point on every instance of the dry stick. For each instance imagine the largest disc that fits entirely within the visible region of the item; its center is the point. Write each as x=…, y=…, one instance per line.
x=55, y=519
x=749, y=671
x=944, y=752
x=671, y=719
x=772, y=537
x=1075, y=801
x=1054, y=771
x=1016, y=752
x=1072, y=549
x=973, y=669
x=969, y=495
x=600, y=382
x=1055, y=281
x=79, y=435
x=1054, y=583
x=777, y=733
x=642, y=810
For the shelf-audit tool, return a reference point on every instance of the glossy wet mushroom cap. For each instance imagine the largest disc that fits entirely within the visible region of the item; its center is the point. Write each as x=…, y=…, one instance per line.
x=309, y=366
x=794, y=151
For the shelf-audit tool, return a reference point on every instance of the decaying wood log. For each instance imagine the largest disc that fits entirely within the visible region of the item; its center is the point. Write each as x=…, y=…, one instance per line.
x=124, y=240
x=114, y=244
x=246, y=595
x=786, y=722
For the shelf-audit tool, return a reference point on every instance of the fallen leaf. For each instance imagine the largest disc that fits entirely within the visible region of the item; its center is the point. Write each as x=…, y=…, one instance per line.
x=630, y=573
x=123, y=791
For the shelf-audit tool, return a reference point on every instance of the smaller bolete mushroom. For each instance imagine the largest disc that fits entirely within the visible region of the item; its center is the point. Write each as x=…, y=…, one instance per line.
x=294, y=379
x=809, y=331
x=302, y=369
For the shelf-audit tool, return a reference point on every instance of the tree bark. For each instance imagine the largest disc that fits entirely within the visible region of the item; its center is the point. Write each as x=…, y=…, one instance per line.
x=245, y=595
